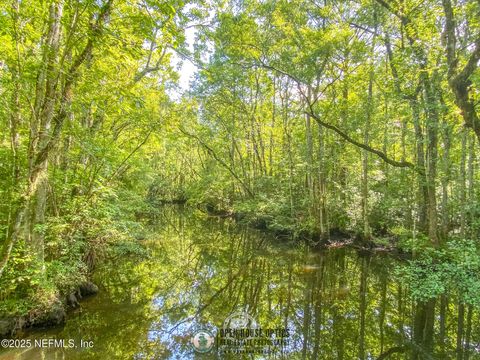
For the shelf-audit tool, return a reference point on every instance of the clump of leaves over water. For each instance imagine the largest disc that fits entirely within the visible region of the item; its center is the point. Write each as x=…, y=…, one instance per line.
x=455, y=268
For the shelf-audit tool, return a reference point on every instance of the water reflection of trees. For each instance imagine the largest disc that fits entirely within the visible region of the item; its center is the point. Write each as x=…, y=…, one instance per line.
x=337, y=304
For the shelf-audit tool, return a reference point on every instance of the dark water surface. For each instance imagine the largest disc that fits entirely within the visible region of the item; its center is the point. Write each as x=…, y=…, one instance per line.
x=336, y=304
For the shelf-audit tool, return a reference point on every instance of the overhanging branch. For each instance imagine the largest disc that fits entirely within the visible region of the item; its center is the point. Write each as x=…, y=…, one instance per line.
x=342, y=134
x=345, y=136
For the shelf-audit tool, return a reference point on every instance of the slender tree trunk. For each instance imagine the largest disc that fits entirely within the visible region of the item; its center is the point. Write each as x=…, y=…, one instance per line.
x=432, y=155
x=446, y=177
x=471, y=184
x=422, y=195
x=322, y=186
x=309, y=157
x=366, y=140
x=272, y=126
x=463, y=182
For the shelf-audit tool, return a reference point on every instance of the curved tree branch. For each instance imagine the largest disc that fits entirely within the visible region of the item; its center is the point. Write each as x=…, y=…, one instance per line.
x=345, y=136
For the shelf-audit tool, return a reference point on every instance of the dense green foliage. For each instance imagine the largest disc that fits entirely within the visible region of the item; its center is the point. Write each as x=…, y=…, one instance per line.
x=82, y=94
x=338, y=115
x=454, y=269
x=308, y=117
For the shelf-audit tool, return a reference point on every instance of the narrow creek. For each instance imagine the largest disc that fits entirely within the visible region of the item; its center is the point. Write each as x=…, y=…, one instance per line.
x=336, y=303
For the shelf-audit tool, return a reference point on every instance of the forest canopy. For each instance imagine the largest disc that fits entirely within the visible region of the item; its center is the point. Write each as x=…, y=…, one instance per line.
x=308, y=118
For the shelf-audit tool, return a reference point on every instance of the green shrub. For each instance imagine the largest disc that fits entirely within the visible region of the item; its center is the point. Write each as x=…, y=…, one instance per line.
x=454, y=268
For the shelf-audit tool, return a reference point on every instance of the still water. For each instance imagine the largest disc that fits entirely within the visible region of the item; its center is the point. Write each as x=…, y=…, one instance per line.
x=334, y=303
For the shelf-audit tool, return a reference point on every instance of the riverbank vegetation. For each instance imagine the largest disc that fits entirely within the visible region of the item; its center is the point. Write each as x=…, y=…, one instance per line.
x=313, y=118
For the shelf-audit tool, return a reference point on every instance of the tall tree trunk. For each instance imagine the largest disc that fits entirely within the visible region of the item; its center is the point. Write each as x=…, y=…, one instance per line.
x=447, y=134
x=309, y=155
x=37, y=205
x=459, y=79
x=432, y=125
x=43, y=140
x=322, y=185
x=272, y=125
x=422, y=194
x=463, y=182
x=366, y=140
x=471, y=184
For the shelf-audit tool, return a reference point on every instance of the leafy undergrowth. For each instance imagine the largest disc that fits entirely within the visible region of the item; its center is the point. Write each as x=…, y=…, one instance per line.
x=74, y=244
x=454, y=268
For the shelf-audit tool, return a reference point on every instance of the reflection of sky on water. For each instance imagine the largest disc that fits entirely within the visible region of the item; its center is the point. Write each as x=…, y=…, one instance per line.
x=170, y=333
